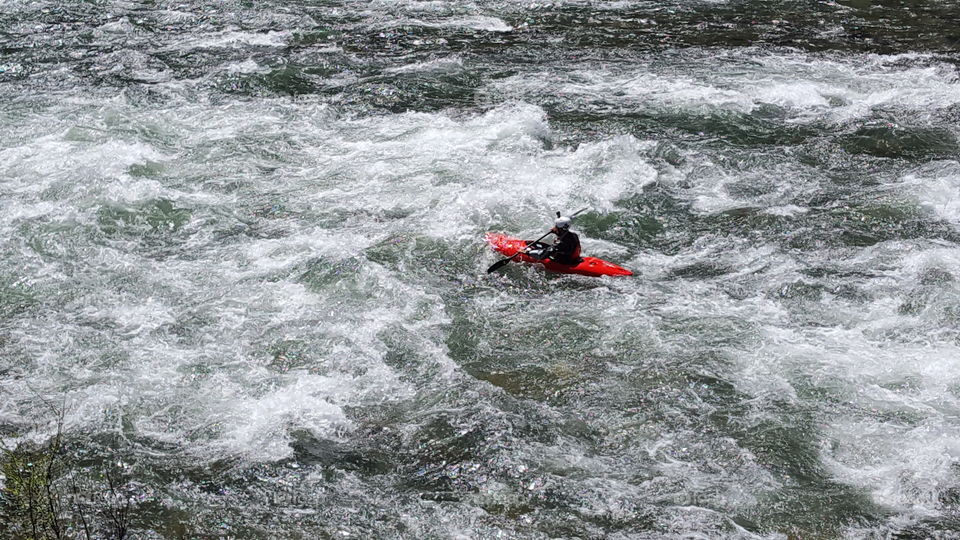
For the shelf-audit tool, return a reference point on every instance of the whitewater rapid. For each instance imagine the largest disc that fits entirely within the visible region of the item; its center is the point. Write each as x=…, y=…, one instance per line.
x=246, y=258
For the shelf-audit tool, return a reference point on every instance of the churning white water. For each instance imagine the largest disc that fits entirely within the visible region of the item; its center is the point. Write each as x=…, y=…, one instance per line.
x=242, y=251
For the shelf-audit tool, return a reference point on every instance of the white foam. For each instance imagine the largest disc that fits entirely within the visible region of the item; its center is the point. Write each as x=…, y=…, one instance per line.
x=146, y=315
x=231, y=39
x=447, y=64
x=119, y=26
x=169, y=16
x=509, y=167
x=218, y=382
x=861, y=86
x=903, y=467
x=482, y=23
x=262, y=257
x=890, y=431
x=10, y=68
x=485, y=23
x=609, y=169
x=797, y=95
x=815, y=89
x=258, y=428
x=937, y=186
x=789, y=210
x=246, y=67
x=52, y=165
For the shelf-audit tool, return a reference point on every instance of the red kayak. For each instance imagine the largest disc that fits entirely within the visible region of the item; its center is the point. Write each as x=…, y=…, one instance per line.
x=588, y=266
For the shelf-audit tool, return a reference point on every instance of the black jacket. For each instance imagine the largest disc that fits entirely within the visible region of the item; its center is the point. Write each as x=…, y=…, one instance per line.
x=566, y=250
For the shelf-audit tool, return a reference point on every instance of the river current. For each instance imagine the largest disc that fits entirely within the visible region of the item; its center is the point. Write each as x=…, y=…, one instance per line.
x=241, y=249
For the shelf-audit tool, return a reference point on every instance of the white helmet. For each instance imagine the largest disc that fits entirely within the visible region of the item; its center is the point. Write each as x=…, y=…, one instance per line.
x=562, y=223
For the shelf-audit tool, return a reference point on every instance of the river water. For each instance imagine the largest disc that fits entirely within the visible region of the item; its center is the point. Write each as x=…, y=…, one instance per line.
x=242, y=251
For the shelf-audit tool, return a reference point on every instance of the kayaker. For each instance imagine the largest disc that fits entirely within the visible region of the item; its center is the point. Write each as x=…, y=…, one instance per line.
x=566, y=247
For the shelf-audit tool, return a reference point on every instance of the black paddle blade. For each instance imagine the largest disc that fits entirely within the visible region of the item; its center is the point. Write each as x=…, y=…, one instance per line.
x=498, y=265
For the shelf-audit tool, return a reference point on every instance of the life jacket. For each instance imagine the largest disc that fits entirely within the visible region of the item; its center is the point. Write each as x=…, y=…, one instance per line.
x=566, y=250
